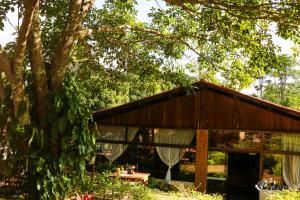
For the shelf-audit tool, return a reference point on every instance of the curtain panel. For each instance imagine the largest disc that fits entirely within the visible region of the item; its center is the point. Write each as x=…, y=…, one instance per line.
x=170, y=155
x=291, y=163
x=115, y=133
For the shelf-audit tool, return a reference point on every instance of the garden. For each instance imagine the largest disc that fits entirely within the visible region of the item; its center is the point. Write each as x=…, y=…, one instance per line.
x=62, y=60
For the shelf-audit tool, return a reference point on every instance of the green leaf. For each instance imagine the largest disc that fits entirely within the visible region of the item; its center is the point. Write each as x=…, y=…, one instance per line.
x=71, y=116
x=82, y=165
x=62, y=124
x=32, y=136
x=22, y=108
x=38, y=184
x=40, y=165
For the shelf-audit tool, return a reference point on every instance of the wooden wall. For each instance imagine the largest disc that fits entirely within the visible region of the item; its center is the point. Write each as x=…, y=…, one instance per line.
x=178, y=112
x=208, y=109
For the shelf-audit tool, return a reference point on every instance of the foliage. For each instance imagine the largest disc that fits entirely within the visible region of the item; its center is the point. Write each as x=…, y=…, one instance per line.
x=281, y=84
x=216, y=174
x=161, y=185
x=162, y=190
x=105, y=167
x=5, y=7
x=221, y=43
x=153, y=183
x=71, y=57
x=274, y=164
x=216, y=158
x=106, y=187
x=55, y=171
x=151, y=52
x=184, y=192
x=284, y=195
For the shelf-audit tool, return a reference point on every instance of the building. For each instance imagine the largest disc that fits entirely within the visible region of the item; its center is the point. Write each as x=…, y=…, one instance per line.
x=258, y=139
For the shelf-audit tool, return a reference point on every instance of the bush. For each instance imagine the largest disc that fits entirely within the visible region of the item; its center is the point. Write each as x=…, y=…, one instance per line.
x=183, y=192
x=105, y=167
x=284, y=195
x=153, y=183
x=216, y=174
x=106, y=187
x=216, y=158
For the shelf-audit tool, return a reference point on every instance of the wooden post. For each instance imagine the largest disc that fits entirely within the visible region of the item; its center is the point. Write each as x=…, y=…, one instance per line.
x=201, y=159
x=261, y=156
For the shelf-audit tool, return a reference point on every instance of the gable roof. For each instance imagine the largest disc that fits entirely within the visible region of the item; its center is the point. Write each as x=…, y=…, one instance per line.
x=249, y=104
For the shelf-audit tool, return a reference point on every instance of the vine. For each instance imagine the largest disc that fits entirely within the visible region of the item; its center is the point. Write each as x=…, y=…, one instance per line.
x=55, y=156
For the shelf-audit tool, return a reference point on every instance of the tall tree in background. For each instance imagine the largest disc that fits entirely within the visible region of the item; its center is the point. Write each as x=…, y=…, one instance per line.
x=282, y=83
x=45, y=112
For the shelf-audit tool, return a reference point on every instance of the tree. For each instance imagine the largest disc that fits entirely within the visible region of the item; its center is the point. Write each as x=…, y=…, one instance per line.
x=62, y=45
x=281, y=83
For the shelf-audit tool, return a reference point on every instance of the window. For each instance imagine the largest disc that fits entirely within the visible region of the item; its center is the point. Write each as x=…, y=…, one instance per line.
x=273, y=167
x=217, y=171
x=187, y=165
x=217, y=165
x=114, y=133
x=282, y=142
x=234, y=139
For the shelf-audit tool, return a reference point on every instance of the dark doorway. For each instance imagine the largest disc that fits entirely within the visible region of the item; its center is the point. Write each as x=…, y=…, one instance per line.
x=243, y=174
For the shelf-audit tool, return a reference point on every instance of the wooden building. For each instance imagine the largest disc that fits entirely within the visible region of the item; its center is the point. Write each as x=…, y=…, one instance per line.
x=222, y=119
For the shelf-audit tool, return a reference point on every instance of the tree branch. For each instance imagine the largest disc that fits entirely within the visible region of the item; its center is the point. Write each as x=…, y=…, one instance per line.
x=103, y=29
x=22, y=38
x=77, y=12
x=17, y=83
x=128, y=28
x=122, y=29
x=2, y=92
x=36, y=59
x=5, y=64
x=273, y=11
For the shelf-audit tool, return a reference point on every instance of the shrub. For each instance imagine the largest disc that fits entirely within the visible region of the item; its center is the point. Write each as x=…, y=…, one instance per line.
x=216, y=158
x=284, y=195
x=106, y=187
x=184, y=193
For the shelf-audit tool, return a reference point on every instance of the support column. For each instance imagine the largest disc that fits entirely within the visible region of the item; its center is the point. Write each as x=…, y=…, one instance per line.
x=261, y=156
x=201, y=159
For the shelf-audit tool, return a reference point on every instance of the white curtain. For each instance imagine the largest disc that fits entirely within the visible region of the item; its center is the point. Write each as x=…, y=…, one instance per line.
x=113, y=151
x=291, y=163
x=169, y=155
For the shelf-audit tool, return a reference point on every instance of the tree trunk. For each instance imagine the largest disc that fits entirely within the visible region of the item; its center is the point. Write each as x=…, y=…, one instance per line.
x=2, y=92
x=36, y=58
x=20, y=99
x=78, y=10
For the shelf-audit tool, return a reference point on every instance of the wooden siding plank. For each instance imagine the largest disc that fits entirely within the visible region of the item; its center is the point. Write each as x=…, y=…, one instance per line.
x=206, y=109
x=219, y=111
x=181, y=112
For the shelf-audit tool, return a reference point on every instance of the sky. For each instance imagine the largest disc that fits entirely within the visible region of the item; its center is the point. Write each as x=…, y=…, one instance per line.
x=143, y=8
x=7, y=35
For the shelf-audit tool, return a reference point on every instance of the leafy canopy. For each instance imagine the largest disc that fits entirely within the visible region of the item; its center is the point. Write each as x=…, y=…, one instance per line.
x=71, y=57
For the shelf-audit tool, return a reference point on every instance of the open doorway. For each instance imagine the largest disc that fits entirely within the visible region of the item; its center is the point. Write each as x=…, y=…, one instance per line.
x=243, y=174
x=233, y=174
